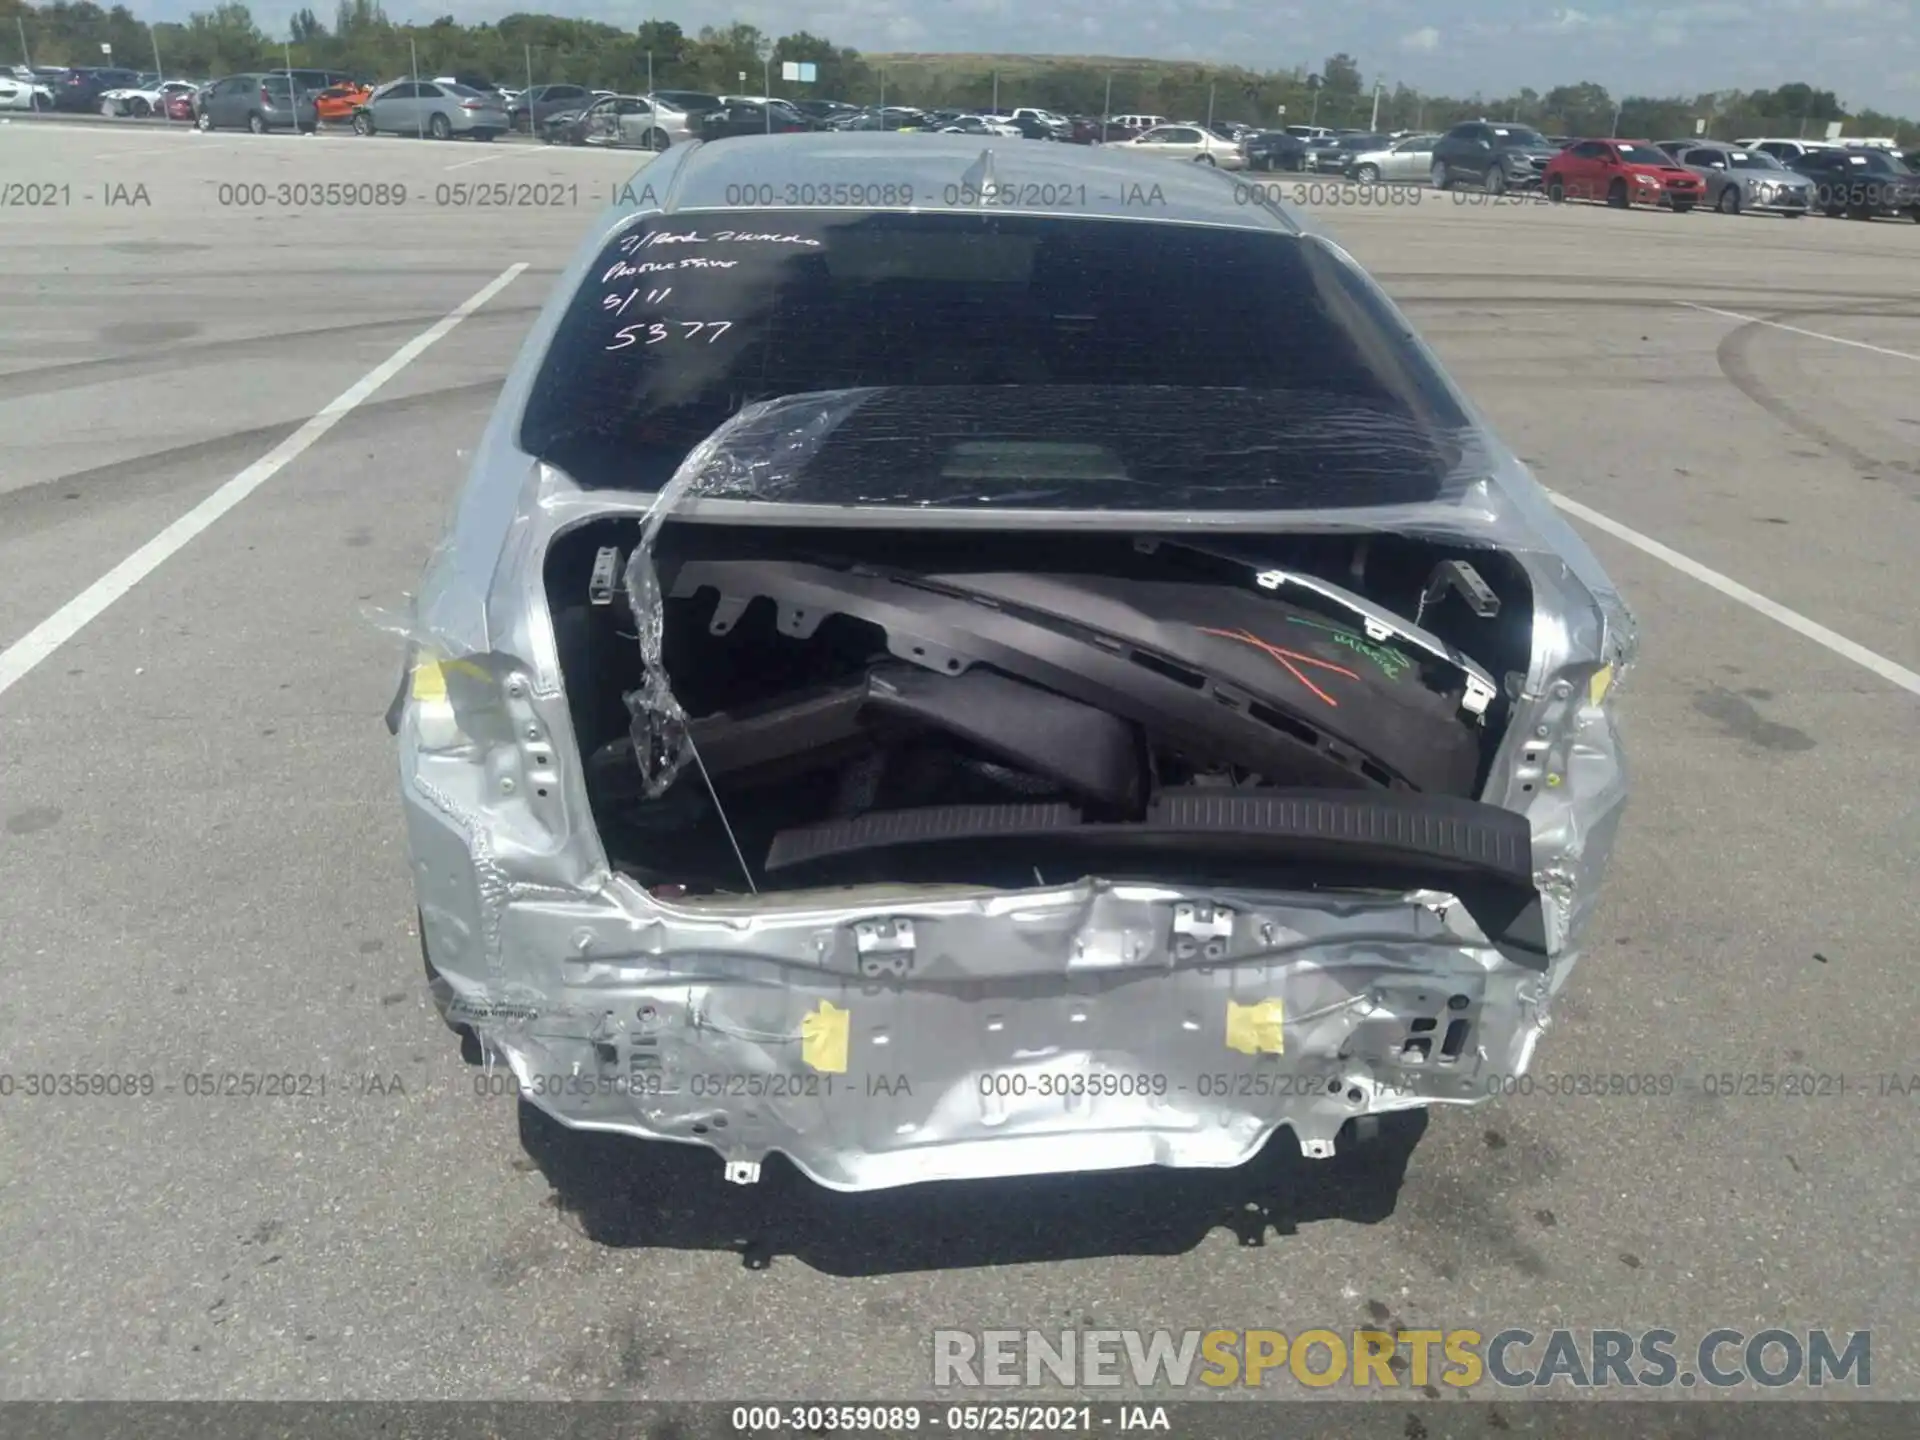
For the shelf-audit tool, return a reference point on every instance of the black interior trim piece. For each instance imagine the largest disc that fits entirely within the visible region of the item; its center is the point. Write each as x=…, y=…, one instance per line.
x=1427, y=827
x=1389, y=826
x=934, y=824
x=1220, y=721
x=399, y=705
x=1092, y=753
x=1322, y=839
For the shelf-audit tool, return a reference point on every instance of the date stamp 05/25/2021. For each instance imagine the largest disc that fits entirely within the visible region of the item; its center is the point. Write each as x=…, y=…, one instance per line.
x=306, y=196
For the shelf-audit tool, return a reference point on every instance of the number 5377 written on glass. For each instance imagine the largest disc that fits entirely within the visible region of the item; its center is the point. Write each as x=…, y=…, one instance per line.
x=652, y=333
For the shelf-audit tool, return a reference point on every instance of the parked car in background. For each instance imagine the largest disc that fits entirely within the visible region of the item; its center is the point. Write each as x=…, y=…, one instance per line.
x=688, y=102
x=1038, y=124
x=1334, y=154
x=884, y=117
x=980, y=125
x=79, y=88
x=532, y=108
x=1084, y=130
x=776, y=103
x=473, y=80
x=314, y=81
x=1274, y=150
x=1184, y=142
x=149, y=97
x=824, y=110
x=1140, y=124
x=947, y=760
x=1408, y=159
x=256, y=101
x=1309, y=133
x=1495, y=157
x=1622, y=173
x=339, y=103
x=620, y=122
x=427, y=107
x=1747, y=180
x=20, y=93
x=747, y=117
x=1787, y=152
x=1031, y=124
x=1861, y=183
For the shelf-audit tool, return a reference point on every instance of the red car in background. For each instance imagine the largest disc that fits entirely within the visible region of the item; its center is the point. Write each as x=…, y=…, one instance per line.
x=1622, y=173
x=179, y=105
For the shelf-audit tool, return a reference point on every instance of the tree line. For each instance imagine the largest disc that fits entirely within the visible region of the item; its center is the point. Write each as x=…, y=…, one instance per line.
x=528, y=48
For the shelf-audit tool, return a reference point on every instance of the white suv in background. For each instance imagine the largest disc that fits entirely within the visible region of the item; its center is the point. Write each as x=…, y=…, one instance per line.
x=1785, y=151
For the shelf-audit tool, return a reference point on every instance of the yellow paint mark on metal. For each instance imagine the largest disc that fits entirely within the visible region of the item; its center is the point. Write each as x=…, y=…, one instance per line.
x=430, y=677
x=1597, y=687
x=1553, y=782
x=823, y=1038
x=1256, y=1029
x=429, y=681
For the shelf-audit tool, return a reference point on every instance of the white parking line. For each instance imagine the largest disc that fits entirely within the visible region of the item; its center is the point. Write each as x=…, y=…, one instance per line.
x=501, y=154
x=1879, y=664
x=1796, y=330
x=19, y=659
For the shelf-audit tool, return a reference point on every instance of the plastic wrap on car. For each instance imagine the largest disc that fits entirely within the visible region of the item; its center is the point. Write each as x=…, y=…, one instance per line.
x=1488, y=500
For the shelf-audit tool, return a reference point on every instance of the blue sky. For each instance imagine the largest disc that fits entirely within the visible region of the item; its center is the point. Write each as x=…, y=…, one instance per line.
x=1865, y=50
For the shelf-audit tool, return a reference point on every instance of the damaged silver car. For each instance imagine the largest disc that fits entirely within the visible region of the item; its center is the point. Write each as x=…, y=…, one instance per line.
x=1020, y=669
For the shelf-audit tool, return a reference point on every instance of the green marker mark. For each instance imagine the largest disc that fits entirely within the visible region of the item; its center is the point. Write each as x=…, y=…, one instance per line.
x=1391, y=662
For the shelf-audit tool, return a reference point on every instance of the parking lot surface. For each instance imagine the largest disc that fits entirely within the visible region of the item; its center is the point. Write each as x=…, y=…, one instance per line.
x=203, y=865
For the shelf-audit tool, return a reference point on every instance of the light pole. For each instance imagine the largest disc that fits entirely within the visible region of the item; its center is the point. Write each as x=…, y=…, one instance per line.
x=765, y=51
x=1374, y=123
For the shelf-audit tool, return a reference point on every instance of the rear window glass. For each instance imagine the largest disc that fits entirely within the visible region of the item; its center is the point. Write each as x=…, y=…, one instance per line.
x=1227, y=364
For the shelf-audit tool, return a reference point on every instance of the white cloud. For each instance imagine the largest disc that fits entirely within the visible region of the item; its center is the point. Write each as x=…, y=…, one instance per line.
x=1571, y=20
x=1425, y=38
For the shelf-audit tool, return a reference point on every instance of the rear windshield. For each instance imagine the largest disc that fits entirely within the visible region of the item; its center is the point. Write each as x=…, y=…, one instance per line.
x=1231, y=367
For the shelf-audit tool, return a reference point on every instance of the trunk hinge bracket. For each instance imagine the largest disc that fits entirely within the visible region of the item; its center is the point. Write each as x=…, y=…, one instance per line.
x=885, y=947
x=1479, y=695
x=1201, y=930
x=606, y=571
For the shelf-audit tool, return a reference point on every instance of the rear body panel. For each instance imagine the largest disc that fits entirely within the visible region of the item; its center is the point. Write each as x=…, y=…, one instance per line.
x=1096, y=1018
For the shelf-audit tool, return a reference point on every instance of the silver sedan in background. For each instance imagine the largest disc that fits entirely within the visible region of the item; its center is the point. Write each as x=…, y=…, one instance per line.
x=620, y=122
x=1408, y=159
x=1747, y=180
x=436, y=108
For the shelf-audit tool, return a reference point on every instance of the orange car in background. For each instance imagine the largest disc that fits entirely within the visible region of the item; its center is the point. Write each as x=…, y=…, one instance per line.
x=338, y=102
